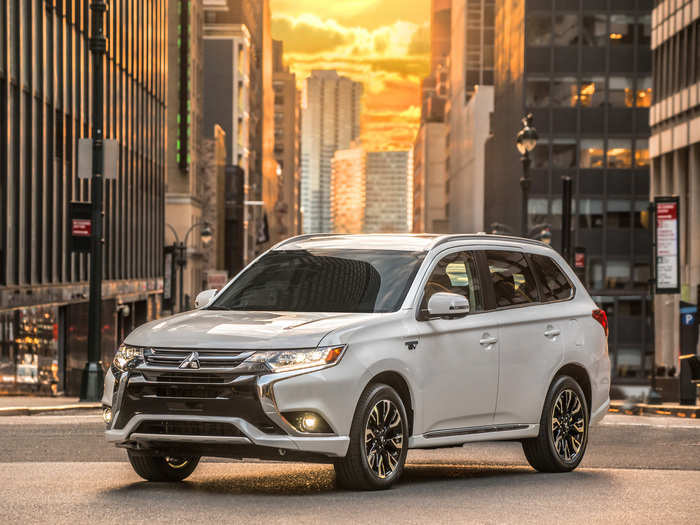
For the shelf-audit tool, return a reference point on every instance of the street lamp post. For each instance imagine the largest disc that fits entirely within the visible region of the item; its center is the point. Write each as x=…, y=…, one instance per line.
x=91, y=386
x=525, y=141
x=181, y=253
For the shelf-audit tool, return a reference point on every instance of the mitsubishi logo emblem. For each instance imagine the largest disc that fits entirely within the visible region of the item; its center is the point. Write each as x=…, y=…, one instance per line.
x=191, y=361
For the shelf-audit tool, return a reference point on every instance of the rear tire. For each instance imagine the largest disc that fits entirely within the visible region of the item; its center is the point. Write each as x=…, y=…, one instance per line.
x=563, y=437
x=378, y=442
x=157, y=468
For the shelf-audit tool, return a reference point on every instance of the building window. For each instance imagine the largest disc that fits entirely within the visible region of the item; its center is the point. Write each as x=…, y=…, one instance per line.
x=644, y=28
x=592, y=94
x=564, y=92
x=590, y=213
x=537, y=93
x=618, y=274
x=564, y=153
x=594, y=30
x=620, y=153
x=592, y=153
x=540, y=155
x=565, y=30
x=644, y=92
x=619, y=213
x=641, y=153
x=621, y=92
x=538, y=29
x=621, y=29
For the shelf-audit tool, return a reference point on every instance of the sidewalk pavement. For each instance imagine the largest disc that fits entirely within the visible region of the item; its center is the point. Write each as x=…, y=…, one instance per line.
x=30, y=405
x=664, y=409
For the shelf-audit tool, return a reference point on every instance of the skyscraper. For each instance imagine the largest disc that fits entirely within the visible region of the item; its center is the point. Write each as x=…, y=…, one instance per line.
x=583, y=69
x=348, y=189
x=330, y=121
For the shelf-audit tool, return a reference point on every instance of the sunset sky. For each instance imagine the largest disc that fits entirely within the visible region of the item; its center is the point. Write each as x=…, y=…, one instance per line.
x=383, y=43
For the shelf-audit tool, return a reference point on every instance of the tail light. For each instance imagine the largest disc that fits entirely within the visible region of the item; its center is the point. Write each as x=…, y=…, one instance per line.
x=600, y=316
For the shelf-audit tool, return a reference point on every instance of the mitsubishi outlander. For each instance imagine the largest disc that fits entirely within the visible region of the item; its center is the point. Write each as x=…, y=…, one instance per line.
x=350, y=350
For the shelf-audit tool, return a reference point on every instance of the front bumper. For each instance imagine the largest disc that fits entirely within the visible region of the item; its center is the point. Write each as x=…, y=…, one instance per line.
x=235, y=417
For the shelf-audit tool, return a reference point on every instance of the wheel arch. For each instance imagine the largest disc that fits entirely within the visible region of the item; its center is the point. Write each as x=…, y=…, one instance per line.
x=579, y=374
x=398, y=382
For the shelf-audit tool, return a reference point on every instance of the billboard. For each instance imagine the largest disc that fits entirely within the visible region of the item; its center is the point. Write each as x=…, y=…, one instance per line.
x=667, y=242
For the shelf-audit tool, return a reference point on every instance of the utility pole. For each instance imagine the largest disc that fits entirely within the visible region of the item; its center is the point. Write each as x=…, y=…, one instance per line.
x=566, y=200
x=92, y=378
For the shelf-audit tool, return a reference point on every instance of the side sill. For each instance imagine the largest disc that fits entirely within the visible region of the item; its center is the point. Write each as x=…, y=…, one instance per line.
x=450, y=432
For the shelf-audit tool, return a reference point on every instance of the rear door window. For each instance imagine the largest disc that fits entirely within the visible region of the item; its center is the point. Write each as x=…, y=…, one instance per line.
x=554, y=285
x=512, y=280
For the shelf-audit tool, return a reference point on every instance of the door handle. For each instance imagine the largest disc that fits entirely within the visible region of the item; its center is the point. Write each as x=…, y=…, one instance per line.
x=551, y=332
x=487, y=340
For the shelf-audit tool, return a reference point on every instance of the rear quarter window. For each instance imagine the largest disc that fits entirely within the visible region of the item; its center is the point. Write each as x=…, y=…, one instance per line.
x=554, y=283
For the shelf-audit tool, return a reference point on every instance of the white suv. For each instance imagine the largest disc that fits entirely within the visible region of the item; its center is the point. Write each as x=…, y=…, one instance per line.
x=352, y=349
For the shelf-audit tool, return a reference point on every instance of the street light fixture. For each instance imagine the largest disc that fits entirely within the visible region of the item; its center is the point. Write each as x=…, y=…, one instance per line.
x=526, y=141
x=180, y=249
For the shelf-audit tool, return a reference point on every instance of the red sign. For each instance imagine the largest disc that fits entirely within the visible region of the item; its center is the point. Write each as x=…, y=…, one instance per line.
x=580, y=260
x=81, y=228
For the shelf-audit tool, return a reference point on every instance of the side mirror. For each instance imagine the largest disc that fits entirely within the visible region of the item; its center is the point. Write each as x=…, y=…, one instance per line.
x=444, y=304
x=204, y=298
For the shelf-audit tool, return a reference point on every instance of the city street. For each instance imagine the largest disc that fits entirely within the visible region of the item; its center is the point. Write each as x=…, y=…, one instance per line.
x=642, y=469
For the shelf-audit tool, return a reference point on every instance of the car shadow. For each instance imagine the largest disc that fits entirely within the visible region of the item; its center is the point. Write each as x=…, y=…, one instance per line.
x=300, y=480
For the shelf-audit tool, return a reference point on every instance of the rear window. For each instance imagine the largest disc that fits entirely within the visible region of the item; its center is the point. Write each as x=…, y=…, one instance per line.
x=512, y=279
x=553, y=282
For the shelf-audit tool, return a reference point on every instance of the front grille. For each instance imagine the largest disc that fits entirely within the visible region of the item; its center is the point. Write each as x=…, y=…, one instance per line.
x=189, y=378
x=172, y=358
x=188, y=428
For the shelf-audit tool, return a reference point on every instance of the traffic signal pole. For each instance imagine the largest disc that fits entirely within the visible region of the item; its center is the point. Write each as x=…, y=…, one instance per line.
x=91, y=387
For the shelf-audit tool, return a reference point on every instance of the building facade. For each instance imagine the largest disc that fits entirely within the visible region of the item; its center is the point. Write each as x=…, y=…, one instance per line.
x=287, y=145
x=348, y=190
x=675, y=151
x=466, y=178
x=331, y=113
x=440, y=21
x=389, y=192
x=430, y=179
x=583, y=69
x=45, y=107
x=262, y=169
x=184, y=194
x=227, y=104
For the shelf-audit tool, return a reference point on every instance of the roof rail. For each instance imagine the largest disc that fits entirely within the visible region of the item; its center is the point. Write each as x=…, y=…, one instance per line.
x=300, y=238
x=487, y=236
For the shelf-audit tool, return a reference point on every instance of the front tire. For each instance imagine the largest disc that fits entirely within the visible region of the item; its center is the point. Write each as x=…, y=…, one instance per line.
x=378, y=442
x=563, y=436
x=157, y=468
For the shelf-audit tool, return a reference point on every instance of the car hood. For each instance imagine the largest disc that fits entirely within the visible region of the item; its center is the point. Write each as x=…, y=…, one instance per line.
x=241, y=330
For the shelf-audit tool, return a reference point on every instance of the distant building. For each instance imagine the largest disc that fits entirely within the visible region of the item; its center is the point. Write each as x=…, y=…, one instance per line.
x=675, y=151
x=287, y=145
x=45, y=108
x=348, y=188
x=430, y=179
x=439, y=32
x=466, y=177
x=330, y=121
x=389, y=192
x=213, y=160
x=183, y=199
x=227, y=57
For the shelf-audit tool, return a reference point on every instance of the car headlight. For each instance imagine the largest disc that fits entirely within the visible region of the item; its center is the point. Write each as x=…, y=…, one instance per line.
x=286, y=360
x=126, y=355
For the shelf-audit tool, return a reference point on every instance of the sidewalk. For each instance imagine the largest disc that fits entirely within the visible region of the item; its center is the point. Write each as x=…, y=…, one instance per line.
x=664, y=409
x=29, y=405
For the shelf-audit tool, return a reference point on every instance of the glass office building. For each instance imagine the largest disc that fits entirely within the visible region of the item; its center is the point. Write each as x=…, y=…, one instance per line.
x=583, y=69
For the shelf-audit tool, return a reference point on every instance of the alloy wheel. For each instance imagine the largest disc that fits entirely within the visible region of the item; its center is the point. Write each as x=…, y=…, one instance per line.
x=568, y=425
x=176, y=463
x=383, y=438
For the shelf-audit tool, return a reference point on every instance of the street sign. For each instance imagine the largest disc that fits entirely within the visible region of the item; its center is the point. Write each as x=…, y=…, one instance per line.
x=667, y=245
x=80, y=223
x=580, y=258
x=110, y=158
x=688, y=319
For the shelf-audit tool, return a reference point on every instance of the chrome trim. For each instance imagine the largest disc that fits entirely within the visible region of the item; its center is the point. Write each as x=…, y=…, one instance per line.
x=449, y=432
x=118, y=397
x=177, y=438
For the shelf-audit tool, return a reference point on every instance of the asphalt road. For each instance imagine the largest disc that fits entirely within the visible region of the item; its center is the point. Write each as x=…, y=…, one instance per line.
x=58, y=469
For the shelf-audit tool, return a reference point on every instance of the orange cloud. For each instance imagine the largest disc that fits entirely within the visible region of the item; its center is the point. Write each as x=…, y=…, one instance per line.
x=373, y=42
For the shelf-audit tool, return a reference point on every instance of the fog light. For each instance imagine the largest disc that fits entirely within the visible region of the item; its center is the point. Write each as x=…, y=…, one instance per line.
x=309, y=422
x=107, y=415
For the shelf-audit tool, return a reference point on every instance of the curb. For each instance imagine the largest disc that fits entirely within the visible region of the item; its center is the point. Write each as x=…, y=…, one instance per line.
x=32, y=411
x=642, y=409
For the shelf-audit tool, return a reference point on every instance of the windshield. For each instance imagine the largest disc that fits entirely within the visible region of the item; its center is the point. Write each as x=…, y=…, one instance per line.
x=362, y=281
